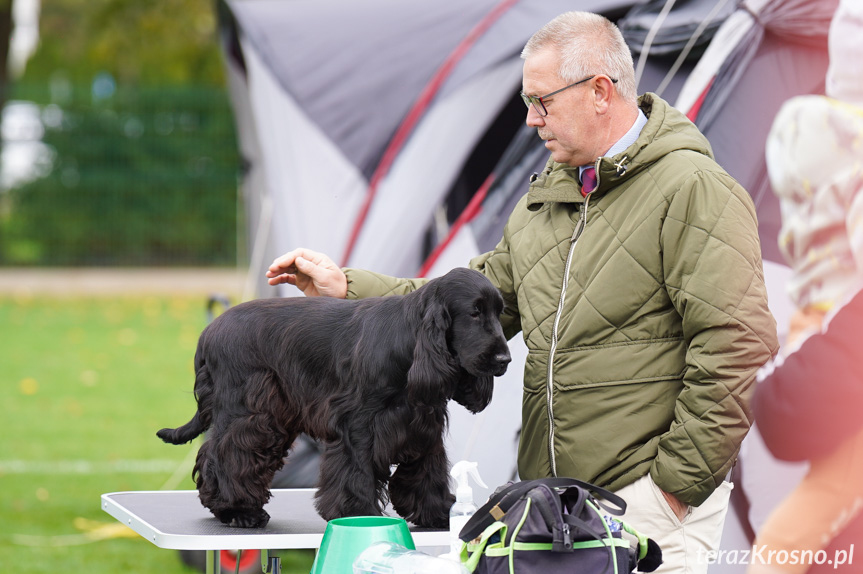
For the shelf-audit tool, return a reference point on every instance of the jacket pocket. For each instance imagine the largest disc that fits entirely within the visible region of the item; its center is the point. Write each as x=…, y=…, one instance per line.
x=658, y=360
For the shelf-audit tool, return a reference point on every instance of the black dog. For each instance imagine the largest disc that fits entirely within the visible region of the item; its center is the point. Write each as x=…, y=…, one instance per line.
x=369, y=378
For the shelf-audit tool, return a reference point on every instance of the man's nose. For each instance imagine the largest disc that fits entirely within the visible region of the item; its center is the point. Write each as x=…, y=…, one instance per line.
x=533, y=118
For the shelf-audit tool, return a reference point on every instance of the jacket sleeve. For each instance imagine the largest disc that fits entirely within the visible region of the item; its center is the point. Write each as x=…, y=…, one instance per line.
x=363, y=283
x=714, y=278
x=497, y=266
x=806, y=404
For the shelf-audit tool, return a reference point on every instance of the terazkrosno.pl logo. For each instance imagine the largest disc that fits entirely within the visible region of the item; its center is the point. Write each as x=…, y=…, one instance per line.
x=762, y=554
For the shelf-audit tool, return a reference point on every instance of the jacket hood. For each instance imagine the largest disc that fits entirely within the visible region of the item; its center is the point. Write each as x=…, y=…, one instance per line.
x=667, y=130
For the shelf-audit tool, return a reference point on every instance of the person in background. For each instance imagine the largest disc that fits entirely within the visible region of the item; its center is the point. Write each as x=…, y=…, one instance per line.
x=808, y=407
x=632, y=268
x=815, y=162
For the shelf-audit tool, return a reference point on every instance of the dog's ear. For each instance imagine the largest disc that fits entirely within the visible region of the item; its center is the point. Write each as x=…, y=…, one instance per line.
x=433, y=371
x=473, y=393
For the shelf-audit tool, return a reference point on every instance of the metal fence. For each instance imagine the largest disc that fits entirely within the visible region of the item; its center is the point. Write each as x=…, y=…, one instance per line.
x=112, y=176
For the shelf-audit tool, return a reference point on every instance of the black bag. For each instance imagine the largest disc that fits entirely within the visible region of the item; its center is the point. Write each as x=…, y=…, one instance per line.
x=554, y=525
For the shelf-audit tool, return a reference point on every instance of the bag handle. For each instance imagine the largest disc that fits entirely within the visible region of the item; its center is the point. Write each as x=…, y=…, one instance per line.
x=500, y=502
x=470, y=557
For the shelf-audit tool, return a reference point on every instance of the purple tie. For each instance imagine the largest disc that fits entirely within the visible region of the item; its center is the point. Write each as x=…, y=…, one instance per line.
x=588, y=181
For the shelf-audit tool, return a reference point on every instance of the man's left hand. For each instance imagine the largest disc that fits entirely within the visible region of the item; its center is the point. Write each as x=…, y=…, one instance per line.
x=680, y=509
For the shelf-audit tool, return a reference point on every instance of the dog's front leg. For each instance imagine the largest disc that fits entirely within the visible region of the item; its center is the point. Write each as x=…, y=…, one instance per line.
x=419, y=490
x=347, y=483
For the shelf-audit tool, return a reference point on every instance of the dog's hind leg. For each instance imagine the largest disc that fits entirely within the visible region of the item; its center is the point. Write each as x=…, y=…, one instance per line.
x=419, y=490
x=218, y=490
x=249, y=453
x=205, y=476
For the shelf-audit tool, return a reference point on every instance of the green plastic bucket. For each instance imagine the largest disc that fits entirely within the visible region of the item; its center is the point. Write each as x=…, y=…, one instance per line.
x=345, y=539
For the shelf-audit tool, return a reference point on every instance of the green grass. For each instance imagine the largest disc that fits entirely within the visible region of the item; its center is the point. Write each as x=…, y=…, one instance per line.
x=85, y=383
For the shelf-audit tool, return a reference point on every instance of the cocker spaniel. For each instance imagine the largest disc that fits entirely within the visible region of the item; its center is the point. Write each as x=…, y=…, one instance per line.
x=369, y=378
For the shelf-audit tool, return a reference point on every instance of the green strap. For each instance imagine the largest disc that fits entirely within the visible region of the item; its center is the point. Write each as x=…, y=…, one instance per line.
x=618, y=542
x=607, y=533
x=642, y=539
x=515, y=532
x=472, y=552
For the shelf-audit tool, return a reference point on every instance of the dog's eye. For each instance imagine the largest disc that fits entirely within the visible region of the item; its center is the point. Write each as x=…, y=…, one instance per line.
x=475, y=312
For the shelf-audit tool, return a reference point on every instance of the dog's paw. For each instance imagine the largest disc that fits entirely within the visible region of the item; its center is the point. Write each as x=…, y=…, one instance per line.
x=437, y=522
x=431, y=518
x=250, y=519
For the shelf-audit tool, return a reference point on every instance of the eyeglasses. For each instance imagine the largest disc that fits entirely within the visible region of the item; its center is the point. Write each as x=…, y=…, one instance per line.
x=538, y=102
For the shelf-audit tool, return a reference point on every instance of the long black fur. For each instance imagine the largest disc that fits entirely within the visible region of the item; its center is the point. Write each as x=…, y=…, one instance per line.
x=369, y=378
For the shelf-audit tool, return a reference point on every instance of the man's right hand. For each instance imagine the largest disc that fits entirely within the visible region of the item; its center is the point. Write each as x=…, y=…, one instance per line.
x=313, y=273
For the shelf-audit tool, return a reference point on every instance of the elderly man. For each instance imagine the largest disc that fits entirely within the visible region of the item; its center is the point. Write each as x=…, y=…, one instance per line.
x=632, y=267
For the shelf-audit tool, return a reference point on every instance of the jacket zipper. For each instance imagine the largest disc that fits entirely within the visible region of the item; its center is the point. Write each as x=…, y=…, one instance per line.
x=579, y=227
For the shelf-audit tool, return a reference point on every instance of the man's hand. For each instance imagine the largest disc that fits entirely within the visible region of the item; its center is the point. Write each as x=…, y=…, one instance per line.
x=680, y=509
x=313, y=273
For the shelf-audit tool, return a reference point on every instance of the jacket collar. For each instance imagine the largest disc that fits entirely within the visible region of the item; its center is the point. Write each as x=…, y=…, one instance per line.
x=666, y=130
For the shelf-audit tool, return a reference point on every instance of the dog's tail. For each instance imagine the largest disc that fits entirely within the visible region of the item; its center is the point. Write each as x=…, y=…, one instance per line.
x=204, y=415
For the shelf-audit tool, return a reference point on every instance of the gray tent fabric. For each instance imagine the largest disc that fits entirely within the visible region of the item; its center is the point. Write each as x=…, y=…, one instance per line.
x=799, y=21
x=327, y=52
x=677, y=28
x=380, y=54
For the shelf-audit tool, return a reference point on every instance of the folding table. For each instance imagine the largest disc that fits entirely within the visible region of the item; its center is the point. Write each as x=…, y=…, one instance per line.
x=175, y=519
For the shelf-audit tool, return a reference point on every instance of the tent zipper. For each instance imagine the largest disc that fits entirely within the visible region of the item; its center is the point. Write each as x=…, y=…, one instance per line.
x=579, y=227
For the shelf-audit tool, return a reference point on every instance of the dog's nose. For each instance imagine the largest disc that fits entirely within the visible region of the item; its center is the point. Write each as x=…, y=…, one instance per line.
x=501, y=360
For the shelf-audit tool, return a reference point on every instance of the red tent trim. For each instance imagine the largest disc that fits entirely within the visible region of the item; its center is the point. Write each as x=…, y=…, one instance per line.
x=412, y=119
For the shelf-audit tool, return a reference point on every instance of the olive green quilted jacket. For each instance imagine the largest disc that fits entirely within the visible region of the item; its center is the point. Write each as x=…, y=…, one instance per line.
x=644, y=312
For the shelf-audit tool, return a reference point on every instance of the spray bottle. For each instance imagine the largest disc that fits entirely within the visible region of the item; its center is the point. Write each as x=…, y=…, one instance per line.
x=464, y=506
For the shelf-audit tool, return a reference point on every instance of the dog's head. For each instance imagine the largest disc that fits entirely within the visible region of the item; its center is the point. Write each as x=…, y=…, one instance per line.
x=460, y=346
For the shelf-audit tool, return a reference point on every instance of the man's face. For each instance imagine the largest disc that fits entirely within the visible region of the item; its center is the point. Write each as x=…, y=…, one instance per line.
x=569, y=128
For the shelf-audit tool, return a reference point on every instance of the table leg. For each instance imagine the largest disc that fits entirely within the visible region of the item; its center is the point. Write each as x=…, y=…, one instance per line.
x=214, y=559
x=270, y=564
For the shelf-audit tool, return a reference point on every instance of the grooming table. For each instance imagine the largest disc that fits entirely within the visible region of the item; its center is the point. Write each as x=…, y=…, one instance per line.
x=176, y=519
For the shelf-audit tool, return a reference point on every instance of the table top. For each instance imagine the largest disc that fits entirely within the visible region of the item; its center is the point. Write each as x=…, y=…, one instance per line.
x=176, y=519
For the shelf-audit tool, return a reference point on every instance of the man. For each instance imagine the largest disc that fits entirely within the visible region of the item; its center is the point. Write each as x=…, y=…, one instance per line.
x=632, y=267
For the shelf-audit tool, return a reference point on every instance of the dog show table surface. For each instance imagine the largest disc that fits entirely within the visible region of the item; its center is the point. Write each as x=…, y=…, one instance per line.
x=175, y=519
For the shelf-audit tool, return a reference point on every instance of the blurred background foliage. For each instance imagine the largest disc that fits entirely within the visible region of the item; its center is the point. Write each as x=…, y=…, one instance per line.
x=156, y=42
x=133, y=156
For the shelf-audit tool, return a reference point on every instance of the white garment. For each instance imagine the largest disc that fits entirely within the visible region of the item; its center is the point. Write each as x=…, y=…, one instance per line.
x=814, y=158
x=845, y=45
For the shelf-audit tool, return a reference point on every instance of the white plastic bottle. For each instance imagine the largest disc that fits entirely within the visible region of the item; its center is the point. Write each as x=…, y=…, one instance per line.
x=464, y=506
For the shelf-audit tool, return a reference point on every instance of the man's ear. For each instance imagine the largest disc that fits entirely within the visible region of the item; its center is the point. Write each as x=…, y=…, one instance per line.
x=603, y=90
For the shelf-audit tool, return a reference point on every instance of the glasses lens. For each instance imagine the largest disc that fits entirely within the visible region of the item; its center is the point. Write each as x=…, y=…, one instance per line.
x=536, y=102
x=539, y=106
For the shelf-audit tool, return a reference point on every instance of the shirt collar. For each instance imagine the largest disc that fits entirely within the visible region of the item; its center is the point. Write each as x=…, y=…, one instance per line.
x=627, y=140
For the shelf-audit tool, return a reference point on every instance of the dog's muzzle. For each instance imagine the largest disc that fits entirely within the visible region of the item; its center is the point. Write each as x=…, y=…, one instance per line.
x=501, y=361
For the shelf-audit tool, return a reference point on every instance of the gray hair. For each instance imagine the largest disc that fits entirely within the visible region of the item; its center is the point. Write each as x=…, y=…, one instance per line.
x=587, y=44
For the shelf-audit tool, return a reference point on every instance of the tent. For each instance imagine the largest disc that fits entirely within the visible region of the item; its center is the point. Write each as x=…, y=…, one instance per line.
x=390, y=134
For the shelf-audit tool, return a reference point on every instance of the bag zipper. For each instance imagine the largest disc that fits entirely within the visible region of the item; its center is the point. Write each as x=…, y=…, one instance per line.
x=579, y=227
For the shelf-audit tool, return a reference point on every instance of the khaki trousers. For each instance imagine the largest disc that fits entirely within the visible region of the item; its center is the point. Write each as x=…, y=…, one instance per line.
x=687, y=545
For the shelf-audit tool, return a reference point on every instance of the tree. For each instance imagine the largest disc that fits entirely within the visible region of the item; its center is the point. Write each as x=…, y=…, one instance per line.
x=145, y=158
x=5, y=33
x=156, y=42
